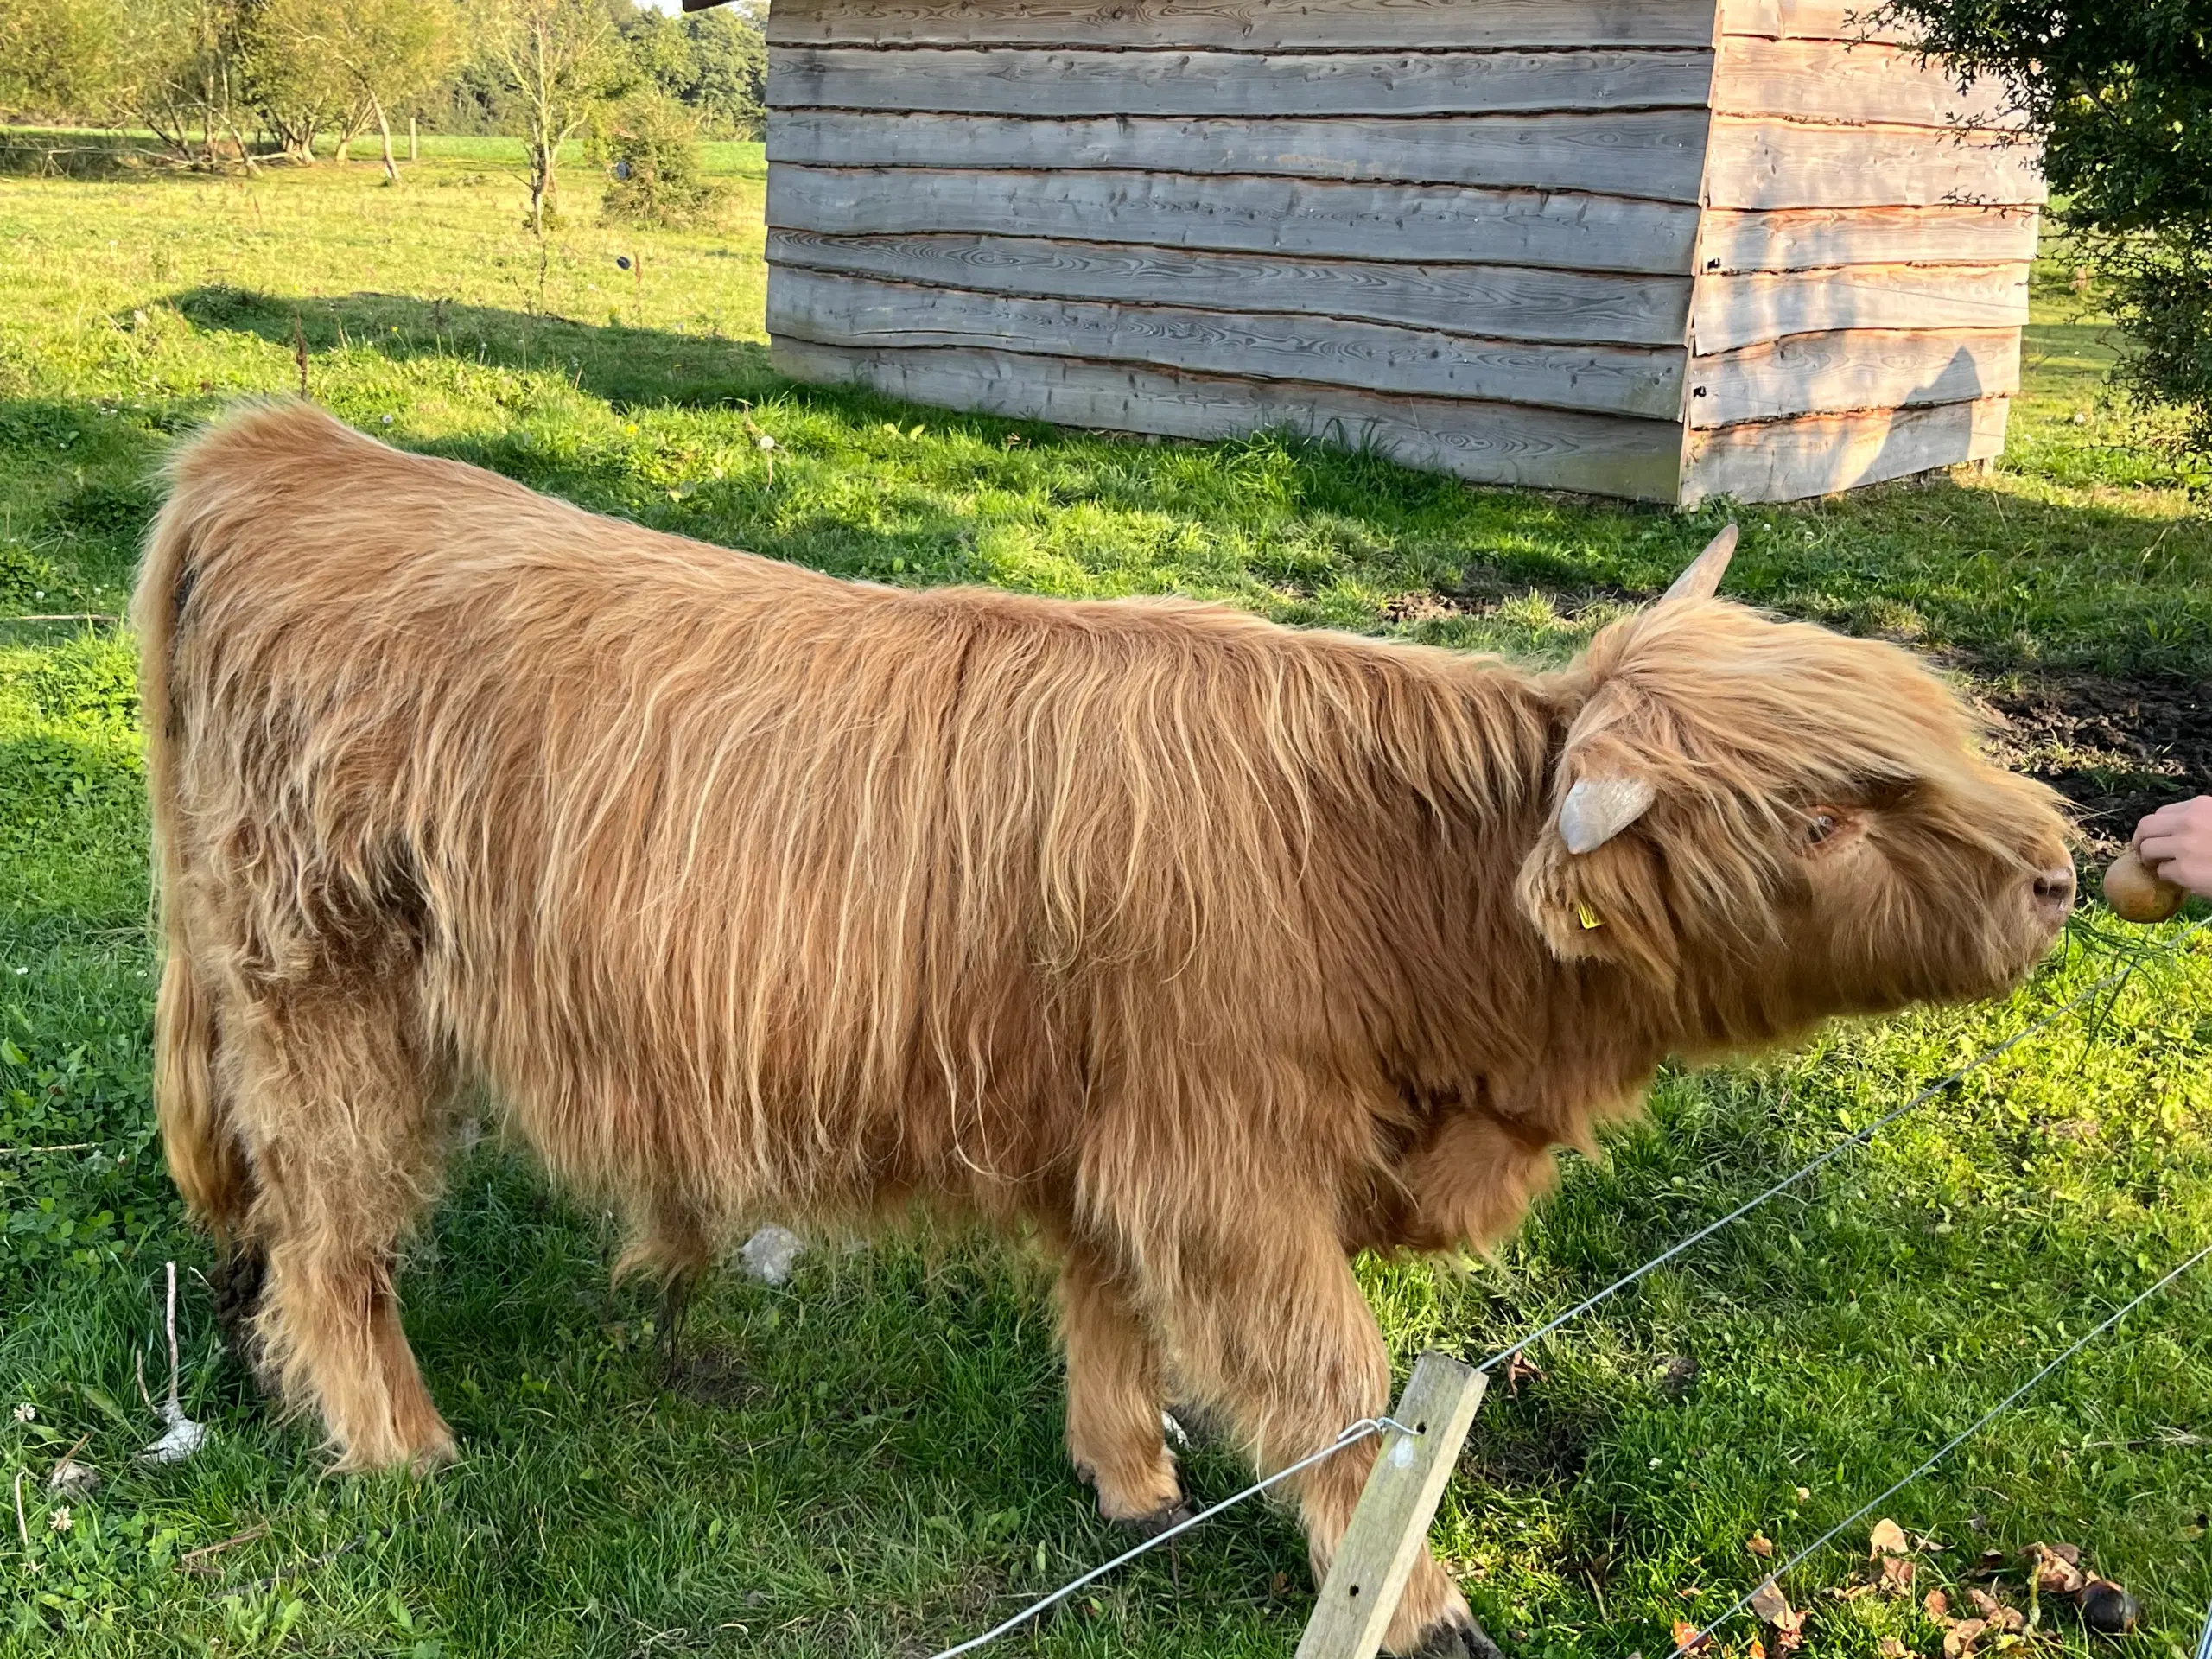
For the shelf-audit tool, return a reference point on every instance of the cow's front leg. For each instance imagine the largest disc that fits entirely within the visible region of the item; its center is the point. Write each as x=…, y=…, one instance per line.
x=1271, y=1330
x=1114, y=1390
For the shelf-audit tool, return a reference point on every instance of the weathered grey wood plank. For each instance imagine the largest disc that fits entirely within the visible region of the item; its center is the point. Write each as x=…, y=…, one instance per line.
x=832, y=309
x=1822, y=454
x=1798, y=238
x=1295, y=217
x=1728, y=313
x=1655, y=154
x=1249, y=25
x=1360, y=1593
x=1859, y=370
x=1501, y=301
x=1829, y=20
x=1490, y=442
x=1066, y=84
x=1769, y=163
x=1834, y=80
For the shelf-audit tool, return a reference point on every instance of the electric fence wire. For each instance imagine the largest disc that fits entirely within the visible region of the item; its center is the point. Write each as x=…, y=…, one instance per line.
x=1365, y=1427
x=1692, y=1644
x=1950, y=1080
x=1356, y=1431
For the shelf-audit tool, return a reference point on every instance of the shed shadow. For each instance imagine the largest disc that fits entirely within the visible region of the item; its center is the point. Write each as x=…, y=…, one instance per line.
x=622, y=364
x=1950, y=394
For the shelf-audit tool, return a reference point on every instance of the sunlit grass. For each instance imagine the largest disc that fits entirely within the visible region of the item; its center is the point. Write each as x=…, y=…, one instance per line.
x=866, y=1461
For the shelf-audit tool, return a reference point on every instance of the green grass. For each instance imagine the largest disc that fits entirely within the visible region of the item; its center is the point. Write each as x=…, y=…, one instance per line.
x=869, y=1463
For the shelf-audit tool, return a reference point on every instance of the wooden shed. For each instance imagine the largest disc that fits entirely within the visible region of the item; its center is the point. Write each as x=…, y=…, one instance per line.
x=1662, y=249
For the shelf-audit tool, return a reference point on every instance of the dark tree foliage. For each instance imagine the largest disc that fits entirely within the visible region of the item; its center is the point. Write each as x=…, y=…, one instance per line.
x=2121, y=91
x=715, y=63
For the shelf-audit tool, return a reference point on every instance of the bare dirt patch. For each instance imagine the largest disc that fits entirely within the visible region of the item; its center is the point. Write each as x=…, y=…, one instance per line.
x=2117, y=748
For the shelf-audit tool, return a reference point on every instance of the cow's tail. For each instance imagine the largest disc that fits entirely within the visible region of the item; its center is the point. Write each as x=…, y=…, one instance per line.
x=205, y=1157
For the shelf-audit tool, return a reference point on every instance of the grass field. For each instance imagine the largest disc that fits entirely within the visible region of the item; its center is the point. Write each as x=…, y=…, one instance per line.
x=866, y=1462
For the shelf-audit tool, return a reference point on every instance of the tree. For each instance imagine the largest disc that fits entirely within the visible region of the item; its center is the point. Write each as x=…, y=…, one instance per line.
x=296, y=85
x=178, y=67
x=59, y=57
x=558, y=62
x=715, y=63
x=2121, y=96
x=313, y=59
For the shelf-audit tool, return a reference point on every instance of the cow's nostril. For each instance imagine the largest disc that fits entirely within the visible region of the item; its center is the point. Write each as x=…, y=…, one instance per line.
x=2056, y=887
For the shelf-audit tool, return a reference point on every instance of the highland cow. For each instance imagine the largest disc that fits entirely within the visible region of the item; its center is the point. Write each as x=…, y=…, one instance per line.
x=1212, y=951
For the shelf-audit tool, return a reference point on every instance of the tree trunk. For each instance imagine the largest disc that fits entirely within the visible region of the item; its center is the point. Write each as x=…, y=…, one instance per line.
x=540, y=183
x=246, y=151
x=413, y=153
x=384, y=132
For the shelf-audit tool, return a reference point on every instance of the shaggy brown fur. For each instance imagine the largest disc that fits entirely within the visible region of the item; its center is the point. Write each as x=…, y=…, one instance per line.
x=1212, y=950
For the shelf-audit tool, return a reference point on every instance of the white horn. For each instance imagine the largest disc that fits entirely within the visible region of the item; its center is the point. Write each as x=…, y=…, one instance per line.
x=1702, y=578
x=1598, y=808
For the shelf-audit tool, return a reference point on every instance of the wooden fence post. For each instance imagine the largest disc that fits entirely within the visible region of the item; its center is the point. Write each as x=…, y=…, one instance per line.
x=1389, y=1528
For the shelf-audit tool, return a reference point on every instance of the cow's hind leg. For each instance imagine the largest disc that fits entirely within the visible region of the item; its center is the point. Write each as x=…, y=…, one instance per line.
x=339, y=1097
x=670, y=1243
x=1116, y=1386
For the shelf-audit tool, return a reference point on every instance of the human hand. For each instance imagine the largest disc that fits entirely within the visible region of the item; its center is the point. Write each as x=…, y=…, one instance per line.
x=2175, y=841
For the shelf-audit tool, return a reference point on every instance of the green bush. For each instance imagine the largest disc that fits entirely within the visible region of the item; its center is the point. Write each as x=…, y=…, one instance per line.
x=651, y=149
x=2121, y=96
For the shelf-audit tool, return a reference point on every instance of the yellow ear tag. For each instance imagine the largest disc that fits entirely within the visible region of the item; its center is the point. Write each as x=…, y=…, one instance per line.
x=1589, y=918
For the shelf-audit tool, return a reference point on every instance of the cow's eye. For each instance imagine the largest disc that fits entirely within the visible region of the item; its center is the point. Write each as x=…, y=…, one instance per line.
x=1820, y=826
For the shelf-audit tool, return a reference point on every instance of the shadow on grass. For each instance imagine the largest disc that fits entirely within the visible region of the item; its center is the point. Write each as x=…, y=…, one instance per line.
x=624, y=365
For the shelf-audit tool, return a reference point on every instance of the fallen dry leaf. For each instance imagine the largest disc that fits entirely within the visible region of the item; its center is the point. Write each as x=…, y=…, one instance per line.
x=1757, y=1650
x=1937, y=1606
x=1887, y=1539
x=1897, y=1574
x=2006, y=1621
x=1519, y=1369
x=1959, y=1640
x=1774, y=1611
x=2056, y=1567
x=1761, y=1546
x=1687, y=1640
x=1769, y=1603
x=1893, y=1649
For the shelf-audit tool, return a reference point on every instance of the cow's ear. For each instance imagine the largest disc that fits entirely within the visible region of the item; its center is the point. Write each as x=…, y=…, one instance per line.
x=1597, y=892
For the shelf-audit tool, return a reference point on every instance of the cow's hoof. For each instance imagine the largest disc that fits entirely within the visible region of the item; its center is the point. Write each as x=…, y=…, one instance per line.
x=1457, y=1640
x=1148, y=1527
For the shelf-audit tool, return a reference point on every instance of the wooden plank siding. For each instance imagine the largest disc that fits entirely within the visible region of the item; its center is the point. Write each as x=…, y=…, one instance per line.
x=1655, y=250
x=1552, y=231
x=831, y=309
x=1246, y=25
x=1854, y=85
x=1498, y=443
x=1734, y=310
x=1653, y=154
x=1068, y=85
x=1815, y=20
x=1852, y=370
x=1825, y=455
x=1862, y=264
x=1499, y=301
x=1808, y=238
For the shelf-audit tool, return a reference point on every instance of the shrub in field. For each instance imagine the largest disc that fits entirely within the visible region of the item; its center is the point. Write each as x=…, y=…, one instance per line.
x=651, y=149
x=2121, y=96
